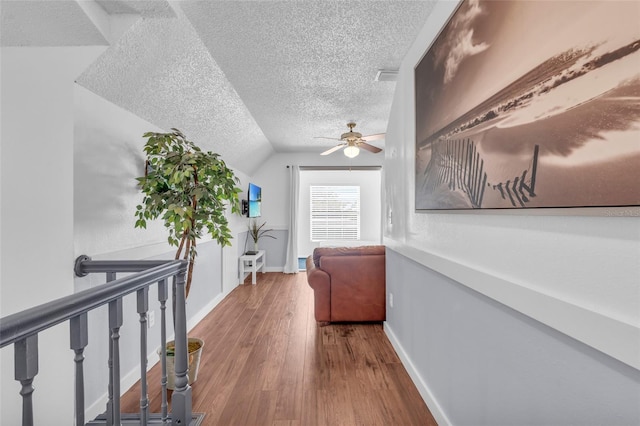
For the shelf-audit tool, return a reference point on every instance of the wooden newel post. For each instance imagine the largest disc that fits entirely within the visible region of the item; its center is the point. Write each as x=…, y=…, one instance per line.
x=181, y=399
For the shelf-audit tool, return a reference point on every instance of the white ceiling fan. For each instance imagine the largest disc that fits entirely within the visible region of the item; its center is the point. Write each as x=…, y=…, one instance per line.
x=353, y=141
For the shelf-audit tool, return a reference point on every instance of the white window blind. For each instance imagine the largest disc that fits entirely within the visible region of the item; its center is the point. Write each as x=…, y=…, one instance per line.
x=335, y=213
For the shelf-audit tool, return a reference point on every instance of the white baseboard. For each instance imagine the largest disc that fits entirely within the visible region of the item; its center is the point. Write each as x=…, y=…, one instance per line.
x=96, y=408
x=437, y=412
x=274, y=268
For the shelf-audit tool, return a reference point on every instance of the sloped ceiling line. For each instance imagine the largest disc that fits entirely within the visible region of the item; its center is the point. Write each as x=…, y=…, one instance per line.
x=161, y=71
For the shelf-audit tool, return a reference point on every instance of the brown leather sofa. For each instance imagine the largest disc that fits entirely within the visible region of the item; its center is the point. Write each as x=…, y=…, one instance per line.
x=348, y=283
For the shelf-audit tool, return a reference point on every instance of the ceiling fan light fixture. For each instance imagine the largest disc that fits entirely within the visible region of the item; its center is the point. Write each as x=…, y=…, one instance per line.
x=351, y=151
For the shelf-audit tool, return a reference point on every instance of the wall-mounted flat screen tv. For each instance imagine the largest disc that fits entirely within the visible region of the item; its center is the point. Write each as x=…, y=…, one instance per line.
x=255, y=198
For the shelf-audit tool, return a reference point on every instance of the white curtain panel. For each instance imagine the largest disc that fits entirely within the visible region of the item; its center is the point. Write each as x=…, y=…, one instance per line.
x=291, y=265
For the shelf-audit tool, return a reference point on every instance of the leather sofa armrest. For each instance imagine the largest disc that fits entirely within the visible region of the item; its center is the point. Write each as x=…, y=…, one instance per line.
x=320, y=282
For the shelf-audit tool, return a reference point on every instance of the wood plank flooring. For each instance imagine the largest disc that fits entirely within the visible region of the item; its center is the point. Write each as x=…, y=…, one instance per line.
x=266, y=362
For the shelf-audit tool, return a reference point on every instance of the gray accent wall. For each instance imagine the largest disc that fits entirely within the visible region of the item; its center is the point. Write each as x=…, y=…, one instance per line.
x=276, y=249
x=487, y=364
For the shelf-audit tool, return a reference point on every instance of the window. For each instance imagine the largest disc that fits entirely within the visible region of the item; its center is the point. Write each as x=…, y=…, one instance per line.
x=335, y=213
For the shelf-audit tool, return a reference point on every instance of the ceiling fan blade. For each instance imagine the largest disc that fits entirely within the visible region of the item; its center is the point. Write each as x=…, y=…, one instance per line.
x=323, y=137
x=335, y=148
x=369, y=148
x=373, y=137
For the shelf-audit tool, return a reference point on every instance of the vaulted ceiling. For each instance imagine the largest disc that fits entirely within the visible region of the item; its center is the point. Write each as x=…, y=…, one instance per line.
x=243, y=78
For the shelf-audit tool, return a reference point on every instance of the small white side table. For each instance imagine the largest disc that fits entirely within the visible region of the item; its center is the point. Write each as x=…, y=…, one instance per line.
x=250, y=264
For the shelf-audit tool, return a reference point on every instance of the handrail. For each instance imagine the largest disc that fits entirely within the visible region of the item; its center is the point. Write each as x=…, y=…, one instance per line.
x=85, y=265
x=31, y=321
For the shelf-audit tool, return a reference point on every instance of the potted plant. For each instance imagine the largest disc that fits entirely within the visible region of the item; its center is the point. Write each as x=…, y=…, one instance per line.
x=257, y=232
x=190, y=190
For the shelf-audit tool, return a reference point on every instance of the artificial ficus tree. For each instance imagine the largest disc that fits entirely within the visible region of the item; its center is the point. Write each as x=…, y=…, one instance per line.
x=190, y=190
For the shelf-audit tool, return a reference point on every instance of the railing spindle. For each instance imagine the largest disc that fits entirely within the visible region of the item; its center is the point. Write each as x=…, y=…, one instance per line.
x=143, y=307
x=79, y=339
x=115, y=322
x=163, y=295
x=111, y=276
x=26, y=368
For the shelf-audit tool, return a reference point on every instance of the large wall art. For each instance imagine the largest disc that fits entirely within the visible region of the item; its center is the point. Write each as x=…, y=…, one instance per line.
x=525, y=104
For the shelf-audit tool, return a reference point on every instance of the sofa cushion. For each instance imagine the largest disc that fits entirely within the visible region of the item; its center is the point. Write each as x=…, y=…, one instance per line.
x=345, y=251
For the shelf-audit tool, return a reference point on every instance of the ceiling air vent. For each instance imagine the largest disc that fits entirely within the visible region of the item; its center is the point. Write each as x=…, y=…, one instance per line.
x=387, y=75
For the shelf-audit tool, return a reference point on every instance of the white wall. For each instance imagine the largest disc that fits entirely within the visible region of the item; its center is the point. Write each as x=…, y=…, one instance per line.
x=273, y=178
x=107, y=158
x=578, y=274
x=370, y=207
x=37, y=213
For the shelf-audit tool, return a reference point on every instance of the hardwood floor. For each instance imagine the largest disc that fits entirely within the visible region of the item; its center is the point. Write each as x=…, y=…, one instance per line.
x=266, y=362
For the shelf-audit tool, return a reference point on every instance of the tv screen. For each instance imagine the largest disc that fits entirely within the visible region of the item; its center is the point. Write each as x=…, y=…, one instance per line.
x=255, y=198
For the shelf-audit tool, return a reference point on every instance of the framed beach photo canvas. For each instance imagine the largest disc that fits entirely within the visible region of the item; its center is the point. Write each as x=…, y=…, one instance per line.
x=530, y=104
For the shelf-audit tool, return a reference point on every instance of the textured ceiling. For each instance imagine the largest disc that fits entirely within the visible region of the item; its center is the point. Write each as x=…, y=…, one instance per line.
x=242, y=78
x=305, y=68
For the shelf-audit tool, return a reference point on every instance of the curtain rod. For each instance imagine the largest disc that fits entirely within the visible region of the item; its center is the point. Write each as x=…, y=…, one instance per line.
x=329, y=168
